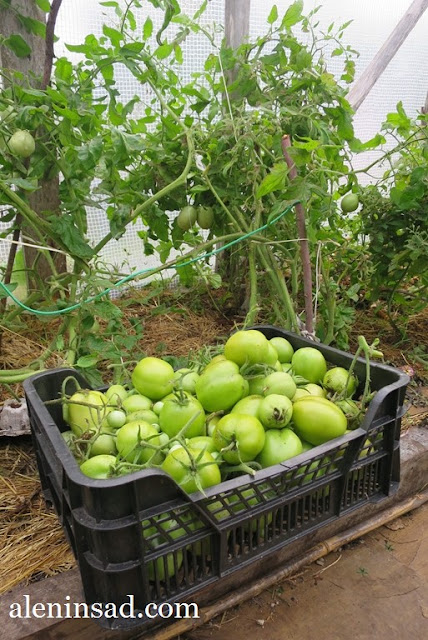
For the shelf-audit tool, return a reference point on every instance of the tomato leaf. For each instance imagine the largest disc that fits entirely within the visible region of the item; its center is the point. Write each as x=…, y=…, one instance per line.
x=85, y=362
x=33, y=26
x=147, y=28
x=293, y=15
x=44, y=5
x=274, y=180
x=273, y=15
x=114, y=35
x=17, y=44
x=164, y=51
x=65, y=229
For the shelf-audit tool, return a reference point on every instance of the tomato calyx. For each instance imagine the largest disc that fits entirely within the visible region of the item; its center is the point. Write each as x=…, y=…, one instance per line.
x=244, y=467
x=180, y=396
x=250, y=370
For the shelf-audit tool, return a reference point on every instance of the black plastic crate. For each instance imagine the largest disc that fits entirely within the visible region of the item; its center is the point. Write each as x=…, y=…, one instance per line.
x=141, y=534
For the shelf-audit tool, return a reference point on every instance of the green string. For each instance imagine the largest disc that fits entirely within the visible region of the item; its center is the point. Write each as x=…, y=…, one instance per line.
x=133, y=276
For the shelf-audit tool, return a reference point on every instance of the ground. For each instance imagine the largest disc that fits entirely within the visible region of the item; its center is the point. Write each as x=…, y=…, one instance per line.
x=373, y=588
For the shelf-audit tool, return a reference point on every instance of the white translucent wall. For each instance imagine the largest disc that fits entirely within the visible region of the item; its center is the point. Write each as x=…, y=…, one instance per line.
x=405, y=79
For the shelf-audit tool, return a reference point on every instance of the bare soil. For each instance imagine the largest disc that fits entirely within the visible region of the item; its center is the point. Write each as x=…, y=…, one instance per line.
x=373, y=588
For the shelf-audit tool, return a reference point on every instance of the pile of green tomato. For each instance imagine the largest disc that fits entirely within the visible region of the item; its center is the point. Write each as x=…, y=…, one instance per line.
x=256, y=404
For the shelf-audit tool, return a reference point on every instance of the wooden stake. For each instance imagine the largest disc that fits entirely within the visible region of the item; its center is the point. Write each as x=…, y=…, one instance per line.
x=377, y=66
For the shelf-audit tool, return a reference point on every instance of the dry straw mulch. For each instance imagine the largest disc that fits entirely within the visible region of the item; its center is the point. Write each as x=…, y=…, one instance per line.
x=31, y=538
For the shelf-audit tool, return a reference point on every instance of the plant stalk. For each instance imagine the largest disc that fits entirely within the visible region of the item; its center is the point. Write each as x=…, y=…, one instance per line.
x=304, y=244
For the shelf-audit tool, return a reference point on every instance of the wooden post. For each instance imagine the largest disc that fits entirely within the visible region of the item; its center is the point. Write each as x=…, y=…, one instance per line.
x=377, y=66
x=236, y=21
x=237, y=28
x=33, y=68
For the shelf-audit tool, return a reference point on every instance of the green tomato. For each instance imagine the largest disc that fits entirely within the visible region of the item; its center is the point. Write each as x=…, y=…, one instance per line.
x=306, y=446
x=186, y=379
x=172, y=566
x=163, y=438
x=186, y=218
x=287, y=367
x=177, y=412
x=205, y=217
x=315, y=472
x=250, y=347
x=248, y=405
x=257, y=385
x=349, y=202
x=69, y=437
x=275, y=411
x=318, y=420
x=82, y=418
x=100, y=467
x=283, y=348
x=116, y=419
x=161, y=534
x=189, y=473
x=157, y=407
x=279, y=383
x=104, y=444
x=116, y=394
x=136, y=402
x=132, y=440
x=22, y=144
x=167, y=565
x=153, y=377
x=272, y=357
x=218, y=358
x=278, y=366
x=202, y=442
x=250, y=498
x=211, y=425
x=310, y=364
x=239, y=437
x=337, y=379
x=280, y=445
x=220, y=386
x=146, y=414
x=352, y=412
x=309, y=389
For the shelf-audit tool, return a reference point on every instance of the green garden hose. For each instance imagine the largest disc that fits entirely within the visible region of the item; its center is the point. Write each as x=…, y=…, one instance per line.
x=133, y=276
